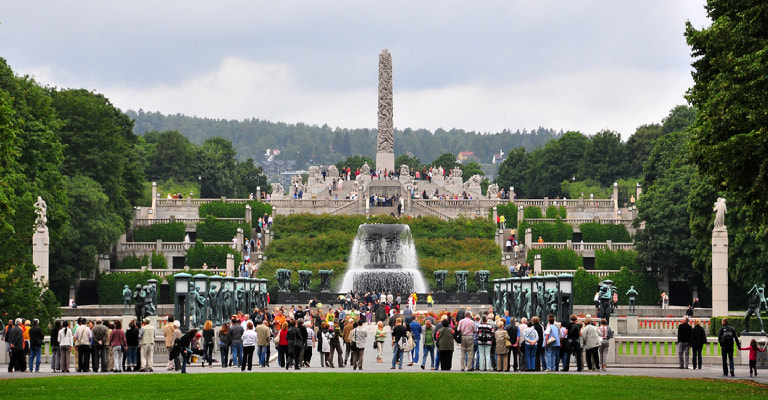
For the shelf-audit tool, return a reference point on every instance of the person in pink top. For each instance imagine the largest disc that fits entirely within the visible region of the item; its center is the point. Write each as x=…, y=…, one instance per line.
x=753, y=349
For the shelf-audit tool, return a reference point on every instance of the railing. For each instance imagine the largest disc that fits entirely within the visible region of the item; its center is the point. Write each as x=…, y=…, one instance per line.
x=162, y=272
x=163, y=246
x=602, y=273
x=185, y=221
x=660, y=350
x=669, y=325
x=579, y=221
x=424, y=208
x=344, y=208
x=579, y=246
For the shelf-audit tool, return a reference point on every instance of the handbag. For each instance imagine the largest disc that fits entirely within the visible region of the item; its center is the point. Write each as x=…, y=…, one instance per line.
x=457, y=336
x=277, y=339
x=551, y=340
x=375, y=345
x=507, y=342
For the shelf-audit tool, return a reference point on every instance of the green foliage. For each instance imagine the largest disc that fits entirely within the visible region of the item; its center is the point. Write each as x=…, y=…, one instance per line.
x=585, y=188
x=168, y=232
x=214, y=256
x=604, y=158
x=616, y=259
x=159, y=261
x=110, y=286
x=312, y=248
x=471, y=168
x=532, y=212
x=585, y=286
x=555, y=258
x=557, y=231
x=715, y=323
x=413, y=162
x=594, y=232
x=258, y=209
x=133, y=262
x=509, y=211
x=218, y=209
x=22, y=296
x=446, y=160
x=216, y=230
x=355, y=162
x=216, y=169
x=458, y=250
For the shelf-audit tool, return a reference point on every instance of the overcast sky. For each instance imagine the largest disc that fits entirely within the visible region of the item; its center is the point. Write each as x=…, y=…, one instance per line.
x=474, y=65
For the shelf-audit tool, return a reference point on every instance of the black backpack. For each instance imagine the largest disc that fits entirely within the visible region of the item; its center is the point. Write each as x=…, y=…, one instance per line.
x=484, y=335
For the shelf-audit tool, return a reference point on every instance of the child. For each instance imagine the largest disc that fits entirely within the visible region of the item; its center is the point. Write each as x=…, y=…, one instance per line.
x=753, y=349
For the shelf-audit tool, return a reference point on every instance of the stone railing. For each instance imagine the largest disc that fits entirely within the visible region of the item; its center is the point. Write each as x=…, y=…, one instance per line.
x=346, y=208
x=579, y=221
x=602, y=273
x=424, y=208
x=186, y=221
x=660, y=350
x=163, y=272
x=160, y=246
x=582, y=246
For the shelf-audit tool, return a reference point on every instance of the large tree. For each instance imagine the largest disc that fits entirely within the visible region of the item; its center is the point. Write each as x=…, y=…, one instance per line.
x=604, y=158
x=170, y=156
x=216, y=168
x=731, y=93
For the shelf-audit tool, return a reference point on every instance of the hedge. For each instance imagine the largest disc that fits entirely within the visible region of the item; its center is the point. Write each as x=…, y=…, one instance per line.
x=509, y=211
x=110, y=286
x=555, y=212
x=132, y=262
x=311, y=249
x=585, y=286
x=269, y=267
x=552, y=258
x=737, y=322
x=616, y=259
x=216, y=230
x=594, y=232
x=557, y=231
x=214, y=256
x=220, y=209
x=168, y=232
x=532, y=212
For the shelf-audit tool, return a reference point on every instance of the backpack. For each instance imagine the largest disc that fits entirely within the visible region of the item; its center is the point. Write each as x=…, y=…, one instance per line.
x=457, y=336
x=403, y=343
x=609, y=335
x=727, y=336
x=484, y=335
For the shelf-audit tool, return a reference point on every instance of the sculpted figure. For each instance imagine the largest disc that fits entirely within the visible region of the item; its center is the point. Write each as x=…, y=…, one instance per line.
x=606, y=301
x=493, y=191
x=405, y=171
x=138, y=298
x=756, y=297
x=200, y=308
x=481, y=279
x=240, y=295
x=720, y=211
x=440, y=280
x=226, y=302
x=461, y=281
x=41, y=209
x=631, y=296
x=525, y=306
x=304, y=277
x=325, y=280
x=126, y=300
x=213, y=303
x=333, y=172
x=497, y=300
x=277, y=189
x=149, y=300
x=283, y=277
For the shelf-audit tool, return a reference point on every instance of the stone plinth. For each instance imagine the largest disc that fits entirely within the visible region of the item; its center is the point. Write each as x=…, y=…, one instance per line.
x=762, y=357
x=40, y=254
x=720, y=272
x=632, y=327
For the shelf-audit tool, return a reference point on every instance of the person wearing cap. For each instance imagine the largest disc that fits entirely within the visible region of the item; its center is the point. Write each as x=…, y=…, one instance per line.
x=147, y=342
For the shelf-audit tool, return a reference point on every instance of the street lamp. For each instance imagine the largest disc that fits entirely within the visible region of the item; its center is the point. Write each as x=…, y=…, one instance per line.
x=181, y=283
x=566, y=296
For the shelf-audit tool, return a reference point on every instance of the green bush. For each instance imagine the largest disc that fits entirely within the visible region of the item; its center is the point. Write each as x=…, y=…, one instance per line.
x=258, y=209
x=170, y=232
x=557, y=231
x=159, y=261
x=594, y=232
x=218, y=209
x=556, y=258
x=616, y=259
x=715, y=323
x=132, y=262
x=562, y=211
x=509, y=211
x=532, y=212
x=110, y=286
x=585, y=286
x=200, y=254
x=552, y=212
x=310, y=249
x=458, y=250
x=217, y=230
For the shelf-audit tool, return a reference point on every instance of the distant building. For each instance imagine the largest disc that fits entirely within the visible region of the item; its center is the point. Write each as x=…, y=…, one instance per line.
x=499, y=157
x=466, y=156
x=277, y=167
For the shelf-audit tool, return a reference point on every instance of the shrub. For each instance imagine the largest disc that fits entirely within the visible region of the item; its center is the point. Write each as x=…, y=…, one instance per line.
x=170, y=232
x=552, y=258
x=218, y=209
x=132, y=262
x=159, y=261
x=458, y=250
x=110, y=286
x=509, y=211
x=557, y=231
x=616, y=259
x=552, y=212
x=216, y=256
x=715, y=323
x=216, y=230
x=532, y=212
x=594, y=232
x=585, y=286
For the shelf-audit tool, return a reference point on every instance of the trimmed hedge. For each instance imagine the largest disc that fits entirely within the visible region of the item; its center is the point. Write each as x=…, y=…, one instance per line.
x=555, y=258
x=169, y=232
x=509, y=211
x=211, y=255
x=585, y=286
x=555, y=212
x=594, y=232
x=557, y=231
x=235, y=210
x=532, y=212
x=132, y=262
x=110, y=286
x=616, y=259
x=217, y=230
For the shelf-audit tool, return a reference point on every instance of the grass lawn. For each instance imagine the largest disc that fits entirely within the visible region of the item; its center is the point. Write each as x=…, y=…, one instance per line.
x=374, y=385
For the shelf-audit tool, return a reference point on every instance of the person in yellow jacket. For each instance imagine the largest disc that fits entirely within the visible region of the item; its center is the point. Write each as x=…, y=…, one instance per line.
x=430, y=301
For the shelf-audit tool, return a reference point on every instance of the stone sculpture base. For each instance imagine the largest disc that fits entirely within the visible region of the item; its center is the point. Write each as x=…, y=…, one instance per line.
x=385, y=161
x=440, y=298
x=720, y=273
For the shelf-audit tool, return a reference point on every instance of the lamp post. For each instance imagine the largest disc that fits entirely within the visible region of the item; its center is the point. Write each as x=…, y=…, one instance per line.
x=180, y=306
x=201, y=285
x=565, y=305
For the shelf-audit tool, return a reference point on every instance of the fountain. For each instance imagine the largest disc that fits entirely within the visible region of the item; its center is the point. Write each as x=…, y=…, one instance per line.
x=383, y=259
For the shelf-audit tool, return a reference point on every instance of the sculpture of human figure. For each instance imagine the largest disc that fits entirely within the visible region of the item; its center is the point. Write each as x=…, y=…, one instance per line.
x=325, y=279
x=138, y=298
x=517, y=295
x=304, y=277
x=481, y=280
x=200, y=306
x=127, y=300
x=525, y=307
x=213, y=303
x=440, y=280
x=497, y=300
x=720, y=210
x=541, y=304
x=631, y=295
x=226, y=302
x=41, y=209
x=192, y=302
x=504, y=301
x=606, y=299
x=240, y=295
x=461, y=281
x=756, y=297
x=550, y=297
x=149, y=300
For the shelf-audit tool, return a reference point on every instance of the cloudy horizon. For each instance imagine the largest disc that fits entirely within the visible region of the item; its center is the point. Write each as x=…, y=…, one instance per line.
x=484, y=67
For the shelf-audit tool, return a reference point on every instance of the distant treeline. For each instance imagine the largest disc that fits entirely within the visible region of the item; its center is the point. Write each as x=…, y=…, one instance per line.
x=312, y=144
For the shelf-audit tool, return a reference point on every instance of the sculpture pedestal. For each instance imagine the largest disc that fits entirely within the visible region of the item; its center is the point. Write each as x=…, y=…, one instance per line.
x=385, y=161
x=632, y=327
x=720, y=272
x=40, y=254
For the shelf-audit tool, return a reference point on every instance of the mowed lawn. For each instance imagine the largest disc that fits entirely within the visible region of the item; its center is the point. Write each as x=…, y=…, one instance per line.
x=313, y=386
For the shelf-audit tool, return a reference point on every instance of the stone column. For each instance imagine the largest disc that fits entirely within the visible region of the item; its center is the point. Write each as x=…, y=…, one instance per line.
x=153, y=211
x=40, y=254
x=537, y=264
x=385, y=142
x=720, y=272
x=230, y=264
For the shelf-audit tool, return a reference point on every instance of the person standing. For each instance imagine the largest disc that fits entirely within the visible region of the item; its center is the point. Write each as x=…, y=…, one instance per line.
x=683, y=343
x=512, y=333
x=429, y=345
x=552, y=346
x=753, y=349
x=531, y=338
x=295, y=344
x=698, y=339
x=398, y=336
x=574, y=345
x=445, y=345
x=236, y=336
x=119, y=344
x=359, y=335
x=15, y=339
x=250, y=337
x=147, y=341
x=55, y=346
x=468, y=330
x=348, y=326
x=83, y=343
x=726, y=337
x=224, y=343
x=208, y=334
x=591, y=344
x=65, y=344
x=36, y=340
x=132, y=339
x=263, y=334
x=606, y=334
x=379, y=336
x=100, y=346
x=416, y=330
x=485, y=337
x=168, y=336
x=501, y=336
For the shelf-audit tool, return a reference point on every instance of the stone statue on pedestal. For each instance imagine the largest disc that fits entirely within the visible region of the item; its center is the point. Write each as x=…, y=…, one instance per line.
x=631, y=296
x=240, y=295
x=138, y=297
x=149, y=300
x=440, y=280
x=756, y=297
x=41, y=209
x=283, y=277
x=461, y=281
x=200, y=308
x=226, y=302
x=720, y=211
x=304, y=277
x=550, y=298
x=505, y=297
x=525, y=305
x=481, y=279
x=127, y=300
x=325, y=280
x=540, y=303
x=606, y=301
x=497, y=297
